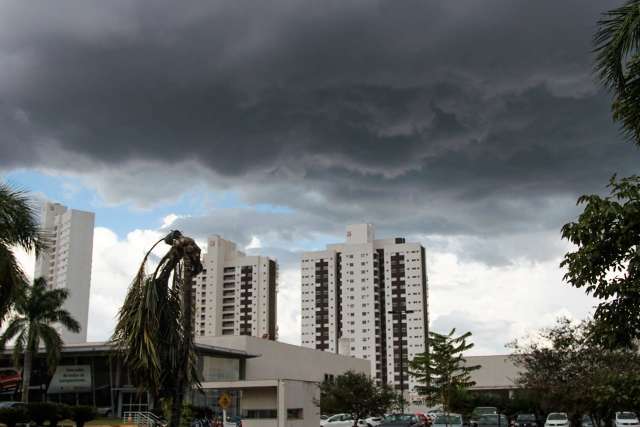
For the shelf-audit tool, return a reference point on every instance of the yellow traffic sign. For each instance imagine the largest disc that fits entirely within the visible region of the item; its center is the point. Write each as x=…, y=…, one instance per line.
x=224, y=401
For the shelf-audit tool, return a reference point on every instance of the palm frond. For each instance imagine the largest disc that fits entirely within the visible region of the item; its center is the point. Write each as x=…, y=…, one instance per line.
x=618, y=35
x=52, y=343
x=19, y=220
x=15, y=326
x=12, y=279
x=19, y=347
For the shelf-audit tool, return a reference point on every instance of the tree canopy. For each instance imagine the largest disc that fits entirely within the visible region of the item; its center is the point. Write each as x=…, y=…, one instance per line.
x=356, y=394
x=564, y=369
x=606, y=262
x=443, y=369
x=37, y=310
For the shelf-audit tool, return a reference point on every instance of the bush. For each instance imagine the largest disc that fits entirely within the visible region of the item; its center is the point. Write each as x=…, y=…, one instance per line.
x=63, y=412
x=81, y=414
x=13, y=416
x=39, y=412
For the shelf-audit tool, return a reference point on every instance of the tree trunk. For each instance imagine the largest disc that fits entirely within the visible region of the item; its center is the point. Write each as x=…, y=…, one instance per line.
x=178, y=395
x=26, y=376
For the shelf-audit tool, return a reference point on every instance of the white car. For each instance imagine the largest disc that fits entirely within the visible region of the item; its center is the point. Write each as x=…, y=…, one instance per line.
x=557, y=419
x=341, y=420
x=373, y=421
x=448, y=420
x=626, y=419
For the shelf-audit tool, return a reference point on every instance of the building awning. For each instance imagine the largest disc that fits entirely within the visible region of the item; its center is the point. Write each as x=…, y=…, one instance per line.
x=105, y=347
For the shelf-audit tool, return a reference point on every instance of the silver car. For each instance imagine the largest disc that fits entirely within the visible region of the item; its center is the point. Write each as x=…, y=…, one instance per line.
x=448, y=420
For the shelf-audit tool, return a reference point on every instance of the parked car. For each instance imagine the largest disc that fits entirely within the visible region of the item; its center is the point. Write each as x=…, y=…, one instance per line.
x=626, y=419
x=557, y=419
x=480, y=411
x=400, y=420
x=526, y=420
x=373, y=421
x=10, y=378
x=448, y=420
x=424, y=419
x=341, y=420
x=493, y=420
x=12, y=404
x=586, y=421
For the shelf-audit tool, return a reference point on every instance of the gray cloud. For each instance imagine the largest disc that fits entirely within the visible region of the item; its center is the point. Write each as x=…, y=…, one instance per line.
x=425, y=117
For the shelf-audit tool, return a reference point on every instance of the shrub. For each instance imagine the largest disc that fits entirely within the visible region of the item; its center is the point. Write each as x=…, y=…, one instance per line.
x=39, y=412
x=13, y=416
x=81, y=414
x=63, y=412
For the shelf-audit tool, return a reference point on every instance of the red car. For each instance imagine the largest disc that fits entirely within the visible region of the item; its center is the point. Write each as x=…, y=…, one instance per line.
x=9, y=379
x=424, y=420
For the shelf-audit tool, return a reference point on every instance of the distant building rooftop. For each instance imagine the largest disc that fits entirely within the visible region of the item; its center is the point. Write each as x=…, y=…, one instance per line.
x=497, y=372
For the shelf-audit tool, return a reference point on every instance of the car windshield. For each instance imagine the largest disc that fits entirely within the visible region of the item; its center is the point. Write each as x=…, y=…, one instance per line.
x=451, y=419
x=526, y=417
x=557, y=417
x=398, y=417
x=485, y=410
x=337, y=417
x=492, y=419
x=626, y=416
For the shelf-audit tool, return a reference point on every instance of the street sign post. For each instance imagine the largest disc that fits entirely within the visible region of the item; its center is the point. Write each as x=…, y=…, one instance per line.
x=224, y=401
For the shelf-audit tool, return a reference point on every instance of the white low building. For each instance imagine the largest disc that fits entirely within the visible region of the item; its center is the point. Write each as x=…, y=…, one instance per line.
x=271, y=384
x=279, y=385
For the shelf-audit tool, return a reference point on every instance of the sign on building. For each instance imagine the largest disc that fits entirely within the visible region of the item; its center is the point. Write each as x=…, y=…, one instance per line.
x=70, y=379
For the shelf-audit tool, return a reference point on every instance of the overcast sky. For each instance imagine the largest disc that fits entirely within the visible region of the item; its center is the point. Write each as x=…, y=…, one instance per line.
x=470, y=126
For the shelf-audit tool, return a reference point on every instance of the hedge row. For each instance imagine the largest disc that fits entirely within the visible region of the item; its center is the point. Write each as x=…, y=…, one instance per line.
x=41, y=412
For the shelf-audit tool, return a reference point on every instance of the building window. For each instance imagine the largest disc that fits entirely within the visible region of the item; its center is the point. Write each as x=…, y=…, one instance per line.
x=294, y=414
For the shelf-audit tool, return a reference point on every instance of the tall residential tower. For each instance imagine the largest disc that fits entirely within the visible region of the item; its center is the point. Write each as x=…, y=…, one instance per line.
x=368, y=298
x=235, y=294
x=66, y=263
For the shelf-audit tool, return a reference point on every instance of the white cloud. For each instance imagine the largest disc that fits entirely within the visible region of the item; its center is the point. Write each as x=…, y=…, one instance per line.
x=497, y=304
x=115, y=263
x=254, y=243
x=168, y=220
x=500, y=304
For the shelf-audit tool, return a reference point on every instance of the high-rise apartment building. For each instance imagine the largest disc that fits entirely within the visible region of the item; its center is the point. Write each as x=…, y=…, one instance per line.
x=235, y=294
x=66, y=262
x=368, y=298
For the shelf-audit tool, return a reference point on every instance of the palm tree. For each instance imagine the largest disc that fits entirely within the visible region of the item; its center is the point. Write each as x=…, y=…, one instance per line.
x=154, y=329
x=18, y=227
x=36, y=310
x=617, y=44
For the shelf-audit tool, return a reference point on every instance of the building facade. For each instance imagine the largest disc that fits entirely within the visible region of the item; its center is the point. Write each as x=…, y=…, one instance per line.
x=368, y=298
x=66, y=262
x=235, y=294
x=271, y=384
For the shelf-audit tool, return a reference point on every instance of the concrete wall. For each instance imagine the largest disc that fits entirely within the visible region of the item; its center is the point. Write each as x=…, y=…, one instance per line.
x=303, y=395
x=497, y=372
x=285, y=361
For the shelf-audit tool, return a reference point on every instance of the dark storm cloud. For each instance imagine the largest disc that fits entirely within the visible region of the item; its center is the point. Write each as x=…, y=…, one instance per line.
x=422, y=116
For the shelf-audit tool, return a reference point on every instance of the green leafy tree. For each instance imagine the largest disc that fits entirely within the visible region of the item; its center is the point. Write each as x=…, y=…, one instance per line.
x=36, y=311
x=18, y=228
x=443, y=370
x=355, y=394
x=607, y=233
x=565, y=369
x=154, y=329
x=606, y=263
